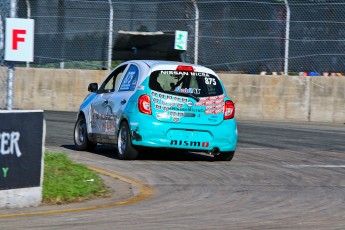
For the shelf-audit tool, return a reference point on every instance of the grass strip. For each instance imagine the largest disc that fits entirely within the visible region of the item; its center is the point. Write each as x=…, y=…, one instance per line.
x=65, y=181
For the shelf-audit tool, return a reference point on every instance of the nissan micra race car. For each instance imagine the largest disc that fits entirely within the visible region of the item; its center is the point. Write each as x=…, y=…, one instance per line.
x=148, y=104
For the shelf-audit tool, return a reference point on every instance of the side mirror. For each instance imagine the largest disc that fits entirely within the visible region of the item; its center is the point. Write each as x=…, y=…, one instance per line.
x=93, y=87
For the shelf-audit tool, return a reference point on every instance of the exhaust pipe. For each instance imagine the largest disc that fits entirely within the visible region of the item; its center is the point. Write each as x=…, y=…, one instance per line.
x=214, y=151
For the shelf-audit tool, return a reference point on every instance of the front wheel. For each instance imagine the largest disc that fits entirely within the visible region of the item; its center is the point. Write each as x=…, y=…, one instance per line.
x=225, y=156
x=124, y=144
x=81, y=140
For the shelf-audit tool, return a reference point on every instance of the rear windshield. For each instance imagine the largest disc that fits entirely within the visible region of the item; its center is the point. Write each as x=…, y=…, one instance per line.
x=196, y=83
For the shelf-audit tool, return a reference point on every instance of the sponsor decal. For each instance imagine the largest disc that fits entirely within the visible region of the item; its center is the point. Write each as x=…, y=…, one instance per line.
x=176, y=116
x=213, y=118
x=189, y=143
x=210, y=81
x=205, y=144
x=108, y=126
x=174, y=72
x=213, y=105
x=217, y=111
x=189, y=103
x=199, y=74
x=195, y=110
x=165, y=103
x=105, y=117
x=130, y=80
x=188, y=90
x=183, y=73
x=103, y=122
x=163, y=115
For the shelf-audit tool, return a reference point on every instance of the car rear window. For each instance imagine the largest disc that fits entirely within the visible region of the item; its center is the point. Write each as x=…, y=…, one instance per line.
x=196, y=83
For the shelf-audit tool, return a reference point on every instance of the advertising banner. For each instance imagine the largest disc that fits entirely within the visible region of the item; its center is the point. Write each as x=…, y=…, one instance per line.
x=21, y=148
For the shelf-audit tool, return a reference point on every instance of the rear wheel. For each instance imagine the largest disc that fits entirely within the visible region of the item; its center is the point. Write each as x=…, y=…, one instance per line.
x=225, y=156
x=81, y=140
x=124, y=144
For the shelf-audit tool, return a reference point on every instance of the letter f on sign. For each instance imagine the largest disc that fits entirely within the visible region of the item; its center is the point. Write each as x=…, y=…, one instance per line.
x=16, y=38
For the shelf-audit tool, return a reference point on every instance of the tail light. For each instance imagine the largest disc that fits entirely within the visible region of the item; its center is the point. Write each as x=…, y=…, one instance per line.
x=144, y=104
x=229, y=110
x=186, y=68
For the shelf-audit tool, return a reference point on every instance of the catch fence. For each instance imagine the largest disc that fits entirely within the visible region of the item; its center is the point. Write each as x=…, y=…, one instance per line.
x=244, y=36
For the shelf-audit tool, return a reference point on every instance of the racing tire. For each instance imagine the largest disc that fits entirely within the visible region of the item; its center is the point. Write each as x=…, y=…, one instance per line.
x=124, y=144
x=225, y=156
x=81, y=140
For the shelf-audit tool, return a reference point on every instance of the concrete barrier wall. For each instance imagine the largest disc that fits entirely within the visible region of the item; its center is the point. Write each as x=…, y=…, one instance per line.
x=319, y=99
x=53, y=89
x=268, y=97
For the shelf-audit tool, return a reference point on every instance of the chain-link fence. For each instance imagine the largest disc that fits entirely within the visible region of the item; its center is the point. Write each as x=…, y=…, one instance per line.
x=226, y=35
x=248, y=36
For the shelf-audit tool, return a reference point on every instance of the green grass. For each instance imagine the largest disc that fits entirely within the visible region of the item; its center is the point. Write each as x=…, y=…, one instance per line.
x=66, y=181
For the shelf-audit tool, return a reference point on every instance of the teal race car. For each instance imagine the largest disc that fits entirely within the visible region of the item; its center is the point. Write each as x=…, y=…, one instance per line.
x=150, y=104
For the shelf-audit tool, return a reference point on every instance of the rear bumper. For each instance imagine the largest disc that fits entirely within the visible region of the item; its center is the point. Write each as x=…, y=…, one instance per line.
x=148, y=132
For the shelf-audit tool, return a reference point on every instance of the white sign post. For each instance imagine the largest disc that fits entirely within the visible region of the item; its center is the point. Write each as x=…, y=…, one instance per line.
x=19, y=46
x=181, y=40
x=19, y=41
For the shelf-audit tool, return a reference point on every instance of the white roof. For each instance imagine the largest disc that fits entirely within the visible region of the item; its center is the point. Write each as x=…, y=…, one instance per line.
x=172, y=65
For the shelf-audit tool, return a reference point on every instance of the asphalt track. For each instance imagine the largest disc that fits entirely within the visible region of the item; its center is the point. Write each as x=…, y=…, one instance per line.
x=284, y=176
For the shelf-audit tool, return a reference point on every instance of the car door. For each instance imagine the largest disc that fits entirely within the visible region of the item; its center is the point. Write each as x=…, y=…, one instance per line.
x=120, y=100
x=110, y=104
x=103, y=113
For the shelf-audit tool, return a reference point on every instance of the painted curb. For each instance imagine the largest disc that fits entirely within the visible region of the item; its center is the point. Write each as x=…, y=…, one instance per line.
x=144, y=192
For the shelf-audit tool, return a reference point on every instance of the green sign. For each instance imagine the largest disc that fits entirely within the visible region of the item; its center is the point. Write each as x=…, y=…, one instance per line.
x=181, y=40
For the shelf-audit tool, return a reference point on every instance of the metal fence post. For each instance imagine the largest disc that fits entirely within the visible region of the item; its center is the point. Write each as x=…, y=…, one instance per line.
x=2, y=40
x=9, y=105
x=28, y=15
x=13, y=14
x=110, y=43
x=196, y=35
x=287, y=38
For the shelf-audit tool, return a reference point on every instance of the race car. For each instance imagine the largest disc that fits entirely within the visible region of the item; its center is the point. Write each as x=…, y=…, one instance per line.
x=148, y=105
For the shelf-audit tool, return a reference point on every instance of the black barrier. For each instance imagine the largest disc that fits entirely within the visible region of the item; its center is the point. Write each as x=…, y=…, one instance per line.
x=21, y=146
